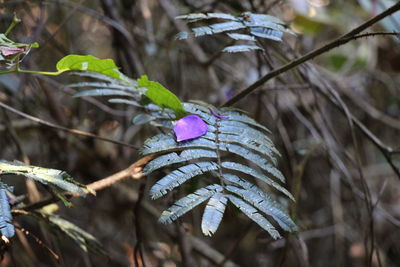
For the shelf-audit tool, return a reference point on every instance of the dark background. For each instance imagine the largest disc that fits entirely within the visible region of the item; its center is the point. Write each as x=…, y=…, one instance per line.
x=348, y=194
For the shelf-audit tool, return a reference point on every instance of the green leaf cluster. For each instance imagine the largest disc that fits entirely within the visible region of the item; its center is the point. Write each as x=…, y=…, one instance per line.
x=154, y=91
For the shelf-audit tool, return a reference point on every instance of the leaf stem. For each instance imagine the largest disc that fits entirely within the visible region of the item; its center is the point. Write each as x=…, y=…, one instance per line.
x=17, y=70
x=14, y=22
x=52, y=73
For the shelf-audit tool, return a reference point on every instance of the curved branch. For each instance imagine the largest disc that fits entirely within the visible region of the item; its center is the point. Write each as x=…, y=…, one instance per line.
x=62, y=128
x=335, y=43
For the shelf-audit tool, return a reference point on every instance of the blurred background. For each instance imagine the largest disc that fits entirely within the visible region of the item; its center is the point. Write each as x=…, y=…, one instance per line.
x=335, y=119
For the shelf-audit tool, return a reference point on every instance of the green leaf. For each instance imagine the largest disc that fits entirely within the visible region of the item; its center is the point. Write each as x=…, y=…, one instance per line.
x=34, y=45
x=161, y=96
x=90, y=63
x=11, y=51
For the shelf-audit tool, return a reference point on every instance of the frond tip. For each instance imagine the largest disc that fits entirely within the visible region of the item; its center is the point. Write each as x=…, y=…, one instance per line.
x=187, y=203
x=248, y=27
x=213, y=214
x=221, y=153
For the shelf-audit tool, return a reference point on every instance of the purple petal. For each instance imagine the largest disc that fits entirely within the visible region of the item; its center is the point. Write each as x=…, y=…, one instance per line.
x=11, y=51
x=217, y=115
x=190, y=127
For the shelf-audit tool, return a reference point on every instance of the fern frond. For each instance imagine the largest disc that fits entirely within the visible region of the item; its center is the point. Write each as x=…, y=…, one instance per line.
x=6, y=227
x=54, y=177
x=103, y=92
x=241, y=129
x=229, y=131
x=255, y=158
x=269, y=206
x=179, y=176
x=250, y=143
x=263, y=17
x=240, y=117
x=101, y=85
x=241, y=48
x=142, y=119
x=239, y=36
x=250, y=171
x=218, y=28
x=187, y=203
x=266, y=205
x=200, y=16
x=213, y=214
x=267, y=33
x=232, y=132
x=255, y=26
x=254, y=215
x=167, y=143
x=100, y=76
x=173, y=158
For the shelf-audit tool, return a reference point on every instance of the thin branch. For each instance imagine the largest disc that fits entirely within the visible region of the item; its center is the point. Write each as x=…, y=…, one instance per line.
x=138, y=248
x=387, y=151
x=38, y=241
x=133, y=171
x=335, y=43
x=62, y=128
x=235, y=246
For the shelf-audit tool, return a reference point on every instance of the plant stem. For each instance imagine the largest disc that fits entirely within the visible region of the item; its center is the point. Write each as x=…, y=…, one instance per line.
x=62, y=128
x=14, y=22
x=52, y=73
x=333, y=44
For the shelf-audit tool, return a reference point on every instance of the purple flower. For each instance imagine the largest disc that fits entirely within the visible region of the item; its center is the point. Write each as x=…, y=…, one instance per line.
x=190, y=127
x=215, y=114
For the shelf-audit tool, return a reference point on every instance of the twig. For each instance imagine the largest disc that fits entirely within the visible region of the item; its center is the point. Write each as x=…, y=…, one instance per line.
x=271, y=5
x=65, y=129
x=195, y=48
x=184, y=245
x=69, y=16
x=134, y=171
x=138, y=251
x=14, y=22
x=8, y=125
x=335, y=43
x=372, y=111
x=387, y=151
x=39, y=242
x=235, y=246
x=364, y=184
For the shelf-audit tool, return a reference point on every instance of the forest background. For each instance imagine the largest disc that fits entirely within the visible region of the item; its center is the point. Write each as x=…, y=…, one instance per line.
x=341, y=161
